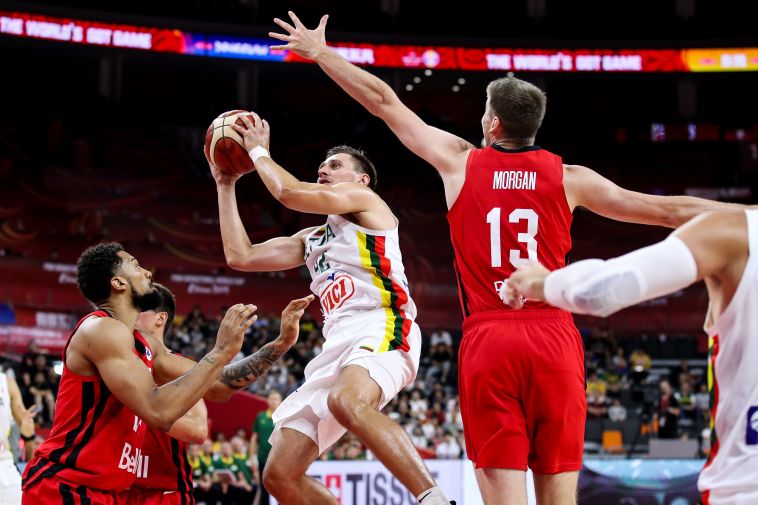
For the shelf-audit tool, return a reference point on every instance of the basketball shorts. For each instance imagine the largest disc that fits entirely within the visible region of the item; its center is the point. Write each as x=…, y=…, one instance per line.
x=142, y=496
x=522, y=390
x=355, y=340
x=52, y=491
x=10, y=482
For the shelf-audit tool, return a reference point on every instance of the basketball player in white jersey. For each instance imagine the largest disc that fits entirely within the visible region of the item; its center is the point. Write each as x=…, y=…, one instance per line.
x=372, y=342
x=11, y=404
x=722, y=249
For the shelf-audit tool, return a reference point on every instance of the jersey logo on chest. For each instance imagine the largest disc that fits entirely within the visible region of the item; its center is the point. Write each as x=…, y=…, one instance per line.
x=337, y=292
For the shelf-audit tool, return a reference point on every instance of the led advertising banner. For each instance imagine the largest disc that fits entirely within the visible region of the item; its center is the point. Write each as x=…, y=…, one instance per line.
x=77, y=31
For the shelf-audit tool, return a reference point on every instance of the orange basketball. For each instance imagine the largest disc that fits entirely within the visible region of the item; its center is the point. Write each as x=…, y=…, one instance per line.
x=225, y=147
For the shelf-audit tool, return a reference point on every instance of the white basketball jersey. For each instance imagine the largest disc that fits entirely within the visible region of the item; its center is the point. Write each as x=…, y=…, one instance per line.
x=354, y=270
x=5, y=418
x=732, y=467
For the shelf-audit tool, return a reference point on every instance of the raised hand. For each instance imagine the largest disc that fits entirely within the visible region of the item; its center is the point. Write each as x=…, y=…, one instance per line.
x=299, y=39
x=244, y=372
x=290, y=325
x=255, y=133
x=232, y=329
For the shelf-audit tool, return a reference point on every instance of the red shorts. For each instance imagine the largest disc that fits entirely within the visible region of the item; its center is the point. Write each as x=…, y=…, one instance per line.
x=51, y=491
x=522, y=390
x=143, y=496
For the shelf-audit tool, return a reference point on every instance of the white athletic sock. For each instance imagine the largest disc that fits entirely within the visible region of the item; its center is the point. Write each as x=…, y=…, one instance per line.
x=432, y=496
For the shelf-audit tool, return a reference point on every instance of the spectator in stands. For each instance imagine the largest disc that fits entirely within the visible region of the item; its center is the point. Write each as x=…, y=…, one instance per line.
x=42, y=393
x=418, y=438
x=597, y=403
x=259, y=435
x=229, y=474
x=619, y=364
x=687, y=401
x=201, y=474
x=703, y=400
x=440, y=336
x=640, y=360
x=418, y=405
x=617, y=412
x=448, y=448
x=668, y=412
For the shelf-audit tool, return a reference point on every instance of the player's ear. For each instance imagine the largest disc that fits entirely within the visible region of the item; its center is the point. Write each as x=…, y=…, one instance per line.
x=162, y=319
x=495, y=126
x=118, y=284
x=364, y=179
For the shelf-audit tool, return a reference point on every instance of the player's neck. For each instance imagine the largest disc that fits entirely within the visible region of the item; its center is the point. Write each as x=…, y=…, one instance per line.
x=507, y=143
x=122, y=310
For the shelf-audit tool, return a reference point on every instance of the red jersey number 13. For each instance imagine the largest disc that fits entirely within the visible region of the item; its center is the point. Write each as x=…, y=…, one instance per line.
x=532, y=220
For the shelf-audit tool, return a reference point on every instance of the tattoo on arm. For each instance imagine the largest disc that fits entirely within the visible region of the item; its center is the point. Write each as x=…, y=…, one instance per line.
x=244, y=372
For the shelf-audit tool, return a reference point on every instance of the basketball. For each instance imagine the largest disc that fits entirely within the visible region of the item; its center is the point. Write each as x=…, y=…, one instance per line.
x=225, y=147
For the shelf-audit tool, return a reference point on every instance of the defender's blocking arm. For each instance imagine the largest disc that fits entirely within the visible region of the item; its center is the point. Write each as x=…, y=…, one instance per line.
x=240, y=374
x=441, y=149
x=586, y=188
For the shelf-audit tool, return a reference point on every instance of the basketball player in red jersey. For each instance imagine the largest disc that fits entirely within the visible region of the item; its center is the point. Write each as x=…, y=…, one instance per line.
x=168, y=478
x=521, y=374
x=107, y=389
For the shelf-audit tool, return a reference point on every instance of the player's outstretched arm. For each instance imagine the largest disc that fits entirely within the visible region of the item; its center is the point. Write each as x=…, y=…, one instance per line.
x=586, y=188
x=706, y=247
x=443, y=150
x=133, y=384
x=343, y=198
x=242, y=373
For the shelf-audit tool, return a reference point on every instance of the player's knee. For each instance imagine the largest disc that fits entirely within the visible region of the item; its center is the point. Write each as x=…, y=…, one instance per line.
x=276, y=478
x=345, y=408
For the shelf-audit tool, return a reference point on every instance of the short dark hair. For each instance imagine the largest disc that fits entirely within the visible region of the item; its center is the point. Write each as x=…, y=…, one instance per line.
x=519, y=105
x=168, y=305
x=362, y=163
x=95, y=268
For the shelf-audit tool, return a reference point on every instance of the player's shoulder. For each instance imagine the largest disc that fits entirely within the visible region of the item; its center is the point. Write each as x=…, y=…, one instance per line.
x=99, y=332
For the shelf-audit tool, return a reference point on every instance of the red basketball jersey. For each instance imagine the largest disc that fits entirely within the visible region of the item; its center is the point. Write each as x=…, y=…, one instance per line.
x=96, y=441
x=512, y=208
x=166, y=465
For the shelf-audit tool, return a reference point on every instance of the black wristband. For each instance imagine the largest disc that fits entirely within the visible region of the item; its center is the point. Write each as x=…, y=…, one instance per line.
x=27, y=439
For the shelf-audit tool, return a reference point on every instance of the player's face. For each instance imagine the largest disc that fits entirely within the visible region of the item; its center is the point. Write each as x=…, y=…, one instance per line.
x=339, y=168
x=140, y=281
x=273, y=401
x=151, y=320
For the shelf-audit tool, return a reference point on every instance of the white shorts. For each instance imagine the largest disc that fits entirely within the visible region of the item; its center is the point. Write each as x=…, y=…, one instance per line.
x=733, y=498
x=10, y=483
x=349, y=341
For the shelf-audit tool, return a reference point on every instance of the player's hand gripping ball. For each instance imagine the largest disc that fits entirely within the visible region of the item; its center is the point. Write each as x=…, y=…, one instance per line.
x=225, y=148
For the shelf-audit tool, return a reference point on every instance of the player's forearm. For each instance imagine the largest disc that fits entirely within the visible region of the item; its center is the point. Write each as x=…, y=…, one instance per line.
x=244, y=372
x=680, y=209
x=364, y=87
x=236, y=243
x=174, y=399
x=280, y=183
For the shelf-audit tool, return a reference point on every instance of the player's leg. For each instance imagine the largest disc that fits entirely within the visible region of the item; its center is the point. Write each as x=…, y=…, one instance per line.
x=556, y=489
x=353, y=401
x=501, y=486
x=284, y=476
x=491, y=381
x=555, y=408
